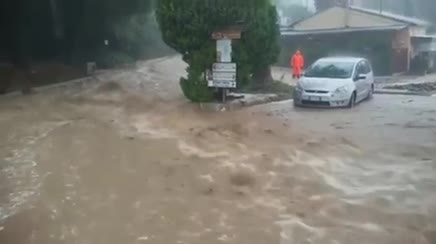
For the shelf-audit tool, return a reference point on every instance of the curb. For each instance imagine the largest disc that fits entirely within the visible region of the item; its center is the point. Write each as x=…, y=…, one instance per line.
x=241, y=103
x=65, y=84
x=402, y=92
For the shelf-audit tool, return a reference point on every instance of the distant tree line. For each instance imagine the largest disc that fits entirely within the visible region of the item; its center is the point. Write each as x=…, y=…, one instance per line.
x=110, y=30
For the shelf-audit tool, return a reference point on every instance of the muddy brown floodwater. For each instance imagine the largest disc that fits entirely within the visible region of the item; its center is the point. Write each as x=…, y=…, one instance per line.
x=128, y=160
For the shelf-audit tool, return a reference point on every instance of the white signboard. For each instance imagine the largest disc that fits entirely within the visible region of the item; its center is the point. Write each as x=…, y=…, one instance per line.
x=230, y=76
x=223, y=75
x=222, y=84
x=224, y=50
x=224, y=67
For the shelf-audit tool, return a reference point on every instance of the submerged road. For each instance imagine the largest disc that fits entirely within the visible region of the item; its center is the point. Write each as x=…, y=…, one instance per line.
x=119, y=162
x=383, y=191
x=386, y=121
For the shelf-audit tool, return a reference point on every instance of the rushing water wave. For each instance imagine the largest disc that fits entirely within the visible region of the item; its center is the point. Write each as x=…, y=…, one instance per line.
x=106, y=164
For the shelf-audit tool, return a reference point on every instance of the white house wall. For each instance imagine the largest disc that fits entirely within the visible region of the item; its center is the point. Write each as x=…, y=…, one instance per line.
x=417, y=30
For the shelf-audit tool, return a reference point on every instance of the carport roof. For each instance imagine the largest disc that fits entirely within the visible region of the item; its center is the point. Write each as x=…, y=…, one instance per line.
x=396, y=17
x=293, y=32
x=339, y=20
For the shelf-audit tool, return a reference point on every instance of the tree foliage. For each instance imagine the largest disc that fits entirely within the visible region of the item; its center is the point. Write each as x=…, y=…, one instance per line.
x=122, y=23
x=187, y=26
x=325, y=4
x=51, y=28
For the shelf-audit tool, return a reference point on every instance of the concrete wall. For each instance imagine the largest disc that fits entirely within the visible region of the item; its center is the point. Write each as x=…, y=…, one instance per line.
x=418, y=30
x=423, y=45
x=401, y=51
x=426, y=47
x=401, y=39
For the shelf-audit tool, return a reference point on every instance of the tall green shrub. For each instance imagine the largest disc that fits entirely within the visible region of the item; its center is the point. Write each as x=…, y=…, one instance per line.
x=187, y=26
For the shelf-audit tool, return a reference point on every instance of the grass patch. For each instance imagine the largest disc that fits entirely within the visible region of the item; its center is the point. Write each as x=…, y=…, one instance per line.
x=284, y=90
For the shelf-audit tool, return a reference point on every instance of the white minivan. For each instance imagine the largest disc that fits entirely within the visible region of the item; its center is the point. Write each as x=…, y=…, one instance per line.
x=335, y=82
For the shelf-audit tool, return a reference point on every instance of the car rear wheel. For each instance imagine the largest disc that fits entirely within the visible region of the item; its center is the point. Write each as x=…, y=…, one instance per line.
x=352, y=101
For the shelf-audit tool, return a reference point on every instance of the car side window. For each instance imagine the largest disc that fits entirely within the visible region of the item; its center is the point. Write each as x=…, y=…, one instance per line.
x=360, y=69
x=367, y=67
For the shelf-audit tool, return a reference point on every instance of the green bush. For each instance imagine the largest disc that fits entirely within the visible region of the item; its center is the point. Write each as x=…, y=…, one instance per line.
x=195, y=86
x=187, y=25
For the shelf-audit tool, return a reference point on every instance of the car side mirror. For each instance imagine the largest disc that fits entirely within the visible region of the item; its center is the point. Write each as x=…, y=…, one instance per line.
x=360, y=77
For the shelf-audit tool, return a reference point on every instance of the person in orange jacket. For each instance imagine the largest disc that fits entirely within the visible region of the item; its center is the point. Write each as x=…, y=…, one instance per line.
x=297, y=64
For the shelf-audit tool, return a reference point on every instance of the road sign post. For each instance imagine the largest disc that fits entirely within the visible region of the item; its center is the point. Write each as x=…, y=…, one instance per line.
x=223, y=73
